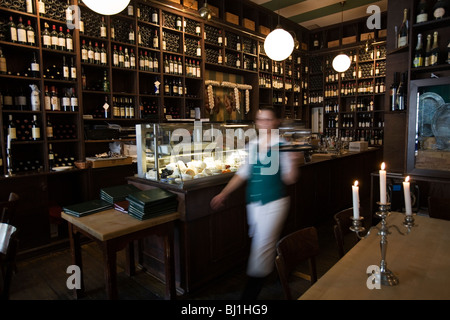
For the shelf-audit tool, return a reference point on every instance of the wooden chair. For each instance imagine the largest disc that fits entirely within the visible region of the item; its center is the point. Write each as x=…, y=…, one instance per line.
x=294, y=249
x=8, y=208
x=439, y=208
x=8, y=251
x=342, y=229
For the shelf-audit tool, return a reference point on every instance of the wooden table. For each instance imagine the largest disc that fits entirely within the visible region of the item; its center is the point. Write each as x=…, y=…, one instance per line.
x=420, y=260
x=115, y=231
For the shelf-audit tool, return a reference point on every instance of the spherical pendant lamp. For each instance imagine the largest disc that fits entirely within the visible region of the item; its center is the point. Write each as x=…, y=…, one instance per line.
x=107, y=7
x=341, y=62
x=279, y=44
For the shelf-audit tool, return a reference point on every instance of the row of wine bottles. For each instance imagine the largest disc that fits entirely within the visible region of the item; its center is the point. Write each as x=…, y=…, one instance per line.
x=374, y=137
x=431, y=55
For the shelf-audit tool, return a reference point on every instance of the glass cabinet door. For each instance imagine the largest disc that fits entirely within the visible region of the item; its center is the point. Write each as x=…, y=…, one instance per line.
x=429, y=128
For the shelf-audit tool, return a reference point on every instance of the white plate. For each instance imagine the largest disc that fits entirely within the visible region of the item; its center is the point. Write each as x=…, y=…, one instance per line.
x=62, y=168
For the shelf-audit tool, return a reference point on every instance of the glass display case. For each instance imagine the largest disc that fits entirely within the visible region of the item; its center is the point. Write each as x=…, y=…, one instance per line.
x=428, y=150
x=180, y=153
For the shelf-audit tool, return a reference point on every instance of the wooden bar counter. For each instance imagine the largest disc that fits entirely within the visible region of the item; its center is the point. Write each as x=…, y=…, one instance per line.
x=210, y=243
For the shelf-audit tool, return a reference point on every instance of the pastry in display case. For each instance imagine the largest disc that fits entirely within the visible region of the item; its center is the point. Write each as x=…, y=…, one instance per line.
x=180, y=153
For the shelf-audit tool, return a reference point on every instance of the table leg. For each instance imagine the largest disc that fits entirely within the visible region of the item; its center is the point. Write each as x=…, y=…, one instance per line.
x=169, y=262
x=75, y=246
x=129, y=257
x=109, y=257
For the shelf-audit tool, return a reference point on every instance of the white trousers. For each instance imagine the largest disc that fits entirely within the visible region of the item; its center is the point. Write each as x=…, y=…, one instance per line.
x=265, y=225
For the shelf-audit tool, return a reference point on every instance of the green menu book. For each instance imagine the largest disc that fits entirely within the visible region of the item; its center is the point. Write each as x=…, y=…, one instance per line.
x=151, y=197
x=88, y=207
x=117, y=193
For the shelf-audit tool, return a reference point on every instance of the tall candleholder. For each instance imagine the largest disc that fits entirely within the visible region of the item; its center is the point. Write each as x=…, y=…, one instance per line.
x=387, y=278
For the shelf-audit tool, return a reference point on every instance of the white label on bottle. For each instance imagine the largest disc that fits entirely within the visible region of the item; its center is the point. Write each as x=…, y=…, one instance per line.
x=69, y=44
x=423, y=17
x=199, y=52
x=54, y=103
x=13, y=32
x=84, y=54
x=73, y=73
x=54, y=40
x=103, y=58
x=66, y=72
x=41, y=7
x=22, y=35
x=30, y=36
x=74, y=102
x=34, y=66
x=439, y=13
x=62, y=42
x=12, y=132
x=29, y=6
x=51, y=156
x=47, y=40
x=35, y=101
x=131, y=36
x=65, y=101
x=47, y=103
x=97, y=56
x=90, y=55
x=36, y=133
x=103, y=32
x=133, y=62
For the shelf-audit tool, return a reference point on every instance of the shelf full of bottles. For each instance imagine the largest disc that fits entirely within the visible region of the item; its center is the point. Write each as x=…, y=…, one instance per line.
x=429, y=37
x=353, y=100
x=38, y=76
x=284, y=84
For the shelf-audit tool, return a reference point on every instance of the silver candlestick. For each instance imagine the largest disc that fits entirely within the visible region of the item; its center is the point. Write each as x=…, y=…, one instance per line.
x=386, y=276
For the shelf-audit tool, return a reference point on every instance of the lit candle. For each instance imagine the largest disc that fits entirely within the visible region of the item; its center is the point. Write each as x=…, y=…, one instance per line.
x=383, y=184
x=407, y=196
x=355, y=192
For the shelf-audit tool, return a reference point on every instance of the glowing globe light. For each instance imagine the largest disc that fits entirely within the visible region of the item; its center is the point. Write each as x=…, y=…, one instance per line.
x=279, y=44
x=341, y=63
x=107, y=7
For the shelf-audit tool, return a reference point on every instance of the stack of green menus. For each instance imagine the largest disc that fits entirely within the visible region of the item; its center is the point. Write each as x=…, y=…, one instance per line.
x=86, y=208
x=150, y=203
x=117, y=193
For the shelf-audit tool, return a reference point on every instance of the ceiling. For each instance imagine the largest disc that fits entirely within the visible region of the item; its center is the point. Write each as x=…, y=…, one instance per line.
x=313, y=14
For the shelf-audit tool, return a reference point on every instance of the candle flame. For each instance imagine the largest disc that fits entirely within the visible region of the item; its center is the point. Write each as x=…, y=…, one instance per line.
x=407, y=179
x=383, y=166
x=356, y=183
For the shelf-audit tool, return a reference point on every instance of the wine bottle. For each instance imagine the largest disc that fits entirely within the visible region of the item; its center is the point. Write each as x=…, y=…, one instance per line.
x=69, y=13
x=401, y=93
x=35, y=99
x=12, y=131
x=51, y=155
x=419, y=54
x=428, y=52
x=35, y=129
x=403, y=32
x=121, y=58
x=422, y=14
x=84, y=53
x=90, y=53
x=54, y=103
x=29, y=6
x=3, y=68
x=30, y=34
x=73, y=70
x=65, y=70
x=126, y=59
x=106, y=86
x=41, y=6
x=155, y=40
x=54, y=38
x=131, y=38
x=69, y=41
x=61, y=39
x=74, y=101
x=199, y=49
x=393, y=93
x=20, y=100
x=12, y=30
x=113, y=30
x=46, y=39
x=47, y=99
x=21, y=32
x=434, y=58
x=97, y=58
x=103, y=56
x=115, y=57
x=103, y=28
x=83, y=79
x=154, y=16
x=65, y=101
x=440, y=9
x=49, y=129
